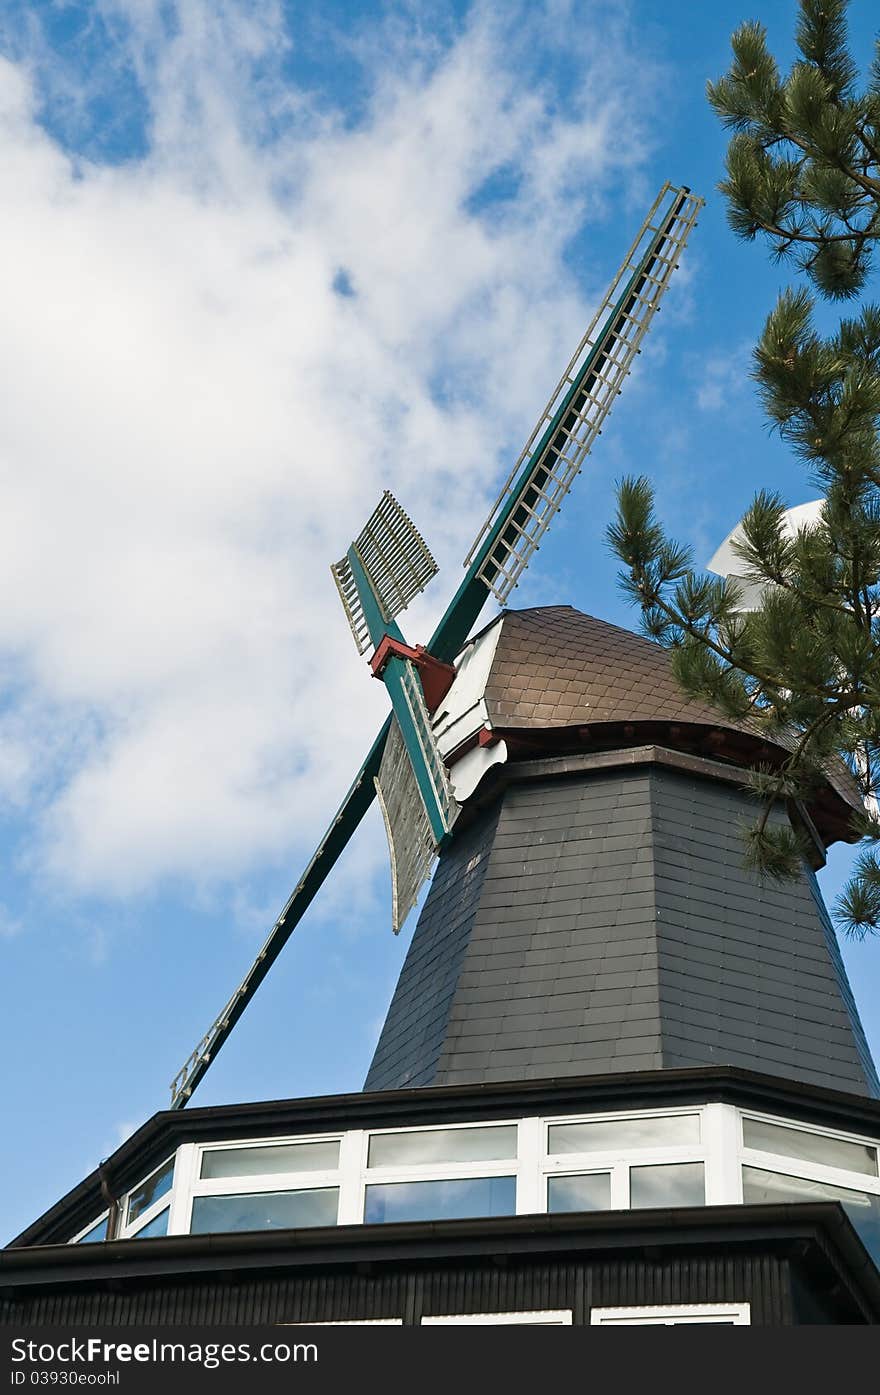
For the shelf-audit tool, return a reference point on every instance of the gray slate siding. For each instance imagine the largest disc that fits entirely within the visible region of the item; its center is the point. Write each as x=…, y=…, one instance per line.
x=605, y=922
x=750, y=974
x=417, y=1023
x=567, y=903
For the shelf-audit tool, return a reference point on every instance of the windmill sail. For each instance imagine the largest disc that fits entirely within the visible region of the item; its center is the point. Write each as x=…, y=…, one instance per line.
x=567, y=429
x=585, y=393
x=385, y=566
x=396, y=562
x=411, y=842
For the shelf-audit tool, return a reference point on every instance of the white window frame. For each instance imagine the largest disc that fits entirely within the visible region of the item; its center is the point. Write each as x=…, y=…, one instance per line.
x=786, y=1166
x=618, y=1161
x=263, y=1182
x=128, y=1229
x=721, y=1151
x=439, y=1171
x=132, y=1232
x=672, y=1315
x=552, y=1317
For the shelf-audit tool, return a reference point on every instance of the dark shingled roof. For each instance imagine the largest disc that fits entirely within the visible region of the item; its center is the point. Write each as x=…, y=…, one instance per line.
x=555, y=667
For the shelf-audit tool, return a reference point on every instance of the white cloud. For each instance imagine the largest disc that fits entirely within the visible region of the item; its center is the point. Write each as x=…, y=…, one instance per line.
x=196, y=423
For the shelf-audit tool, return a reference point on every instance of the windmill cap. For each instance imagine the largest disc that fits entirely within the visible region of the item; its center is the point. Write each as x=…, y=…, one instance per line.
x=563, y=680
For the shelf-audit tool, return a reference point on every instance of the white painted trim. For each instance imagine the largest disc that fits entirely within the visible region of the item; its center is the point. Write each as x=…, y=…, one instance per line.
x=352, y=1152
x=558, y=1317
x=812, y=1172
x=721, y=1134
x=530, y=1186
x=737, y=1314
x=619, y=1187
x=129, y=1228
x=463, y=710
x=347, y=1322
x=466, y=773
x=186, y=1169
x=267, y=1182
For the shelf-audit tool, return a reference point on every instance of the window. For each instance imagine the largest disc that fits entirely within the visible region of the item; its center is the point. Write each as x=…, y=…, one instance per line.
x=264, y=1210
x=442, y=1146
x=669, y=1184
x=557, y=1318
x=149, y=1192
x=590, y=1191
x=269, y=1159
x=96, y=1232
x=270, y=1184
x=711, y=1314
x=157, y=1226
x=441, y=1200
x=440, y=1174
x=623, y=1135
x=625, y=1161
x=826, y=1149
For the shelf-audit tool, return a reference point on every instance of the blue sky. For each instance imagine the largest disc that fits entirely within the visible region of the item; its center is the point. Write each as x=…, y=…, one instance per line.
x=264, y=260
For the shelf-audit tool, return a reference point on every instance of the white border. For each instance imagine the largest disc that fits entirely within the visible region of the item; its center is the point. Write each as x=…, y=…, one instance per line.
x=734, y=1314
x=557, y=1317
x=347, y=1322
x=128, y=1228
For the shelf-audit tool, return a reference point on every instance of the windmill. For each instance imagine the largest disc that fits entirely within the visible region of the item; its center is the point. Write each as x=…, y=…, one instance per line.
x=388, y=564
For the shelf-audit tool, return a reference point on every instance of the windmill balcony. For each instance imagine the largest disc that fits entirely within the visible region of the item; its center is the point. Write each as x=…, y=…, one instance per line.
x=685, y=1156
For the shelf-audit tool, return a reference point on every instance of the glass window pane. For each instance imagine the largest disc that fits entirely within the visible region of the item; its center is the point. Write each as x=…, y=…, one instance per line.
x=157, y=1226
x=862, y=1208
x=148, y=1192
x=619, y=1135
x=440, y=1201
x=589, y=1193
x=97, y=1232
x=813, y=1147
x=265, y=1211
x=670, y=1184
x=443, y=1146
x=279, y=1157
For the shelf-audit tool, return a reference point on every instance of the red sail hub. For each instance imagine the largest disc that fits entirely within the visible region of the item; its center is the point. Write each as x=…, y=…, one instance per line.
x=437, y=677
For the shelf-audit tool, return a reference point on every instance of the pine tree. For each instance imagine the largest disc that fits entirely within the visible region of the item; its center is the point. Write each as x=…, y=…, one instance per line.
x=803, y=172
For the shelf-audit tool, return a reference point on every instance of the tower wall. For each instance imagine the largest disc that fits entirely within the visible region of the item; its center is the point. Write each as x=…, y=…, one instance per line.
x=605, y=922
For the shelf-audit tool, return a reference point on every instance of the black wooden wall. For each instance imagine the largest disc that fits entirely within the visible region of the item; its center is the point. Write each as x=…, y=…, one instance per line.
x=767, y=1281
